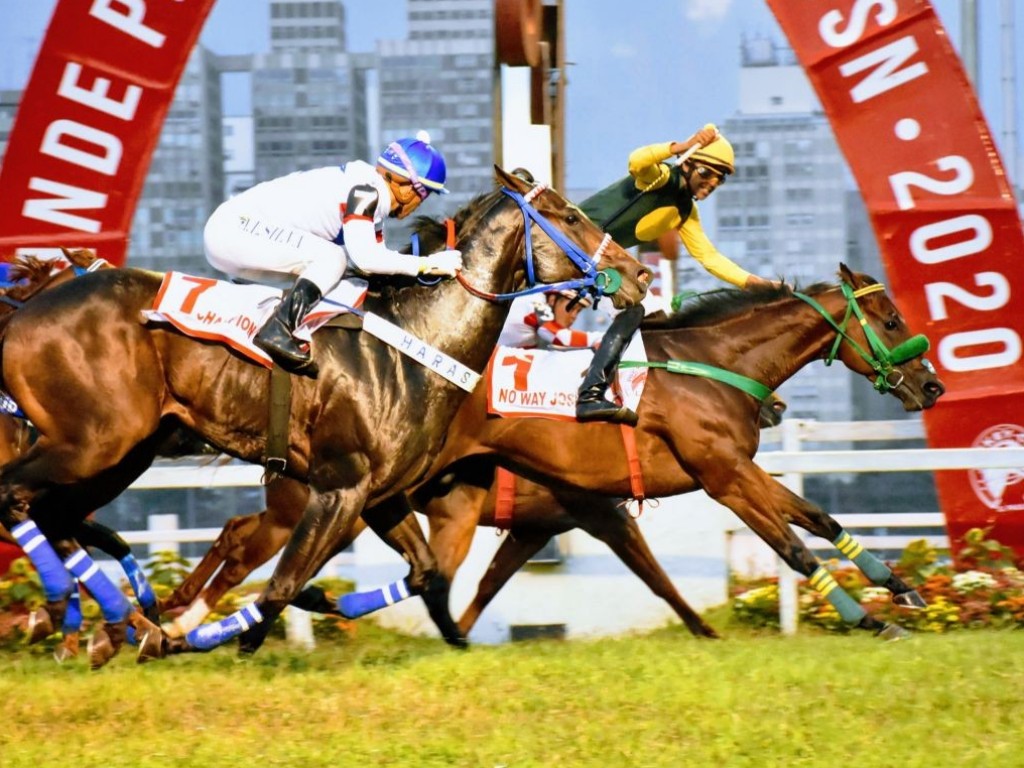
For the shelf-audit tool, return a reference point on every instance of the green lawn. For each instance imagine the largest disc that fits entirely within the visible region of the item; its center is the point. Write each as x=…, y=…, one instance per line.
x=660, y=700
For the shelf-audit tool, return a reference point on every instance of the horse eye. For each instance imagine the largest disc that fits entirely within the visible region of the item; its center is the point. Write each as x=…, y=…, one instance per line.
x=891, y=325
x=572, y=219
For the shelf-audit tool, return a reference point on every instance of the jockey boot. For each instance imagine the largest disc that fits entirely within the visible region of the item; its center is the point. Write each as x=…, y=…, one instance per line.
x=275, y=337
x=591, y=404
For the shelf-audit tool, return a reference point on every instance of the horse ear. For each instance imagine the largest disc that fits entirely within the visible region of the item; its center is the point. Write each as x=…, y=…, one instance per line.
x=512, y=181
x=848, y=276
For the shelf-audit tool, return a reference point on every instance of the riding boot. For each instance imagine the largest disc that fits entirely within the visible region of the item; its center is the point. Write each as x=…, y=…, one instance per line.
x=275, y=337
x=591, y=404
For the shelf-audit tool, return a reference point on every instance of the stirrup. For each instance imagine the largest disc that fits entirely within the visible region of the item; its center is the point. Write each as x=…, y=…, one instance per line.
x=604, y=410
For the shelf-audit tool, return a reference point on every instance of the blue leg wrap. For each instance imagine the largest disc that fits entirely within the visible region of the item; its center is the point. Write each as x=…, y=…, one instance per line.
x=130, y=635
x=73, y=615
x=114, y=605
x=137, y=578
x=356, y=604
x=209, y=636
x=877, y=571
x=57, y=584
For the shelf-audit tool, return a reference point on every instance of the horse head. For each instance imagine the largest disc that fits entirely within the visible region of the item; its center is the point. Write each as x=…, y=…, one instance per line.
x=562, y=229
x=881, y=347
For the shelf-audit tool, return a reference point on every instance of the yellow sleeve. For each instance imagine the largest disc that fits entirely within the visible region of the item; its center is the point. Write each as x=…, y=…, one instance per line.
x=646, y=165
x=700, y=247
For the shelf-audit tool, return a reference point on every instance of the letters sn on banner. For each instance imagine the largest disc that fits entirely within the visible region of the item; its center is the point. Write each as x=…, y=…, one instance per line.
x=89, y=120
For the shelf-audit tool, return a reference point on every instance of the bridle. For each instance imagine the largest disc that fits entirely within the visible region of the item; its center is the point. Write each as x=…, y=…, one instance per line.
x=883, y=361
x=596, y=282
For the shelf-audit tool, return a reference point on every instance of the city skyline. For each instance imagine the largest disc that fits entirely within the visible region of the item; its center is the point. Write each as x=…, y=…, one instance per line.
x=620, y=59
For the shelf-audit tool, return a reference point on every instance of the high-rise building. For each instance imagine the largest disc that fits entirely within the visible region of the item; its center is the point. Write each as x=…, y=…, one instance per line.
x=441, y=80
x=185, y=180
x=308, y=94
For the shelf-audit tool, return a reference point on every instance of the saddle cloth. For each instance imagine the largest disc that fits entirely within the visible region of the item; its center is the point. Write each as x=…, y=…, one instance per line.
x=539, y=382
x=231, y=314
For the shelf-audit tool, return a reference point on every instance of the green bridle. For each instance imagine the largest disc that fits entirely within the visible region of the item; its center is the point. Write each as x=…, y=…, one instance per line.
x=881, y=359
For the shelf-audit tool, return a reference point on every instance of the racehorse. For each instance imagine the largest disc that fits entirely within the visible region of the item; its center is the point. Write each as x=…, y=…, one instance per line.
x=698, y=431
x=359, y=435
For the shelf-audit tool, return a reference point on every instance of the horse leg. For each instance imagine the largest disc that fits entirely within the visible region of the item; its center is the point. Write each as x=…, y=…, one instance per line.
x=70, y=629
x=245, y=543
x=818, y=522
x=94, y=534
x=394, y=522
x=513, y=553
x=194, y=592
x=604, y=520
x=327, y=517
x=764, y=505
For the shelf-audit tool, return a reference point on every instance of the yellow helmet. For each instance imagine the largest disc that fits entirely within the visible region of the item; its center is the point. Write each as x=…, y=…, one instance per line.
x=718, y=154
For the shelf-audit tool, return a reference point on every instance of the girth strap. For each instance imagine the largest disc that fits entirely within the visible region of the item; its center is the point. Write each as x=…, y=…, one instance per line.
x=276, y=459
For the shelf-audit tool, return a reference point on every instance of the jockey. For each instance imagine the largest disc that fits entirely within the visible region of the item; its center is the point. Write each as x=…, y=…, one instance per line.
x=546, y=322
x=656, y=197
x=321, y=224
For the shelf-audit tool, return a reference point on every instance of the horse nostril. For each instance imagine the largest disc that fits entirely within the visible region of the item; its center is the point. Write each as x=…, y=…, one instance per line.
x=934, y=388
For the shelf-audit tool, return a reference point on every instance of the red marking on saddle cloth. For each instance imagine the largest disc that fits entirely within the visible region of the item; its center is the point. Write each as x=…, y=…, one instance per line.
x=505, y=499
x=636, y=478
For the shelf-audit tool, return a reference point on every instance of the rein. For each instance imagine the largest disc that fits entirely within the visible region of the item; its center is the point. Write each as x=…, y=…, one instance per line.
x=596, y=282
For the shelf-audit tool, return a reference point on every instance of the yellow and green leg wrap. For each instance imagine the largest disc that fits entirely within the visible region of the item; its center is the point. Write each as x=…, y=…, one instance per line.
x=826, y=585
x=877, y=571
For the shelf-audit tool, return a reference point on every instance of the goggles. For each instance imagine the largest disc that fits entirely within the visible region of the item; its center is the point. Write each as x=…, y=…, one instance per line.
x=707, y=173
x=410, y=169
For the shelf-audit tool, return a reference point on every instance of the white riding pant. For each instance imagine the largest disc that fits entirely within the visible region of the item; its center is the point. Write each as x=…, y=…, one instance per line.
x=245, y=242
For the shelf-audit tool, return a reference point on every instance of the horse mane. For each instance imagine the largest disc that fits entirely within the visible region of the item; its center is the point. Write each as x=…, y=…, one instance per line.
x=713, y=306
x=30, y=269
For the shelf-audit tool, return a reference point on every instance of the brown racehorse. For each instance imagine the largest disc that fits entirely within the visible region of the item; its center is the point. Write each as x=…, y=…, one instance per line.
x=765, y=336
x=360, y=434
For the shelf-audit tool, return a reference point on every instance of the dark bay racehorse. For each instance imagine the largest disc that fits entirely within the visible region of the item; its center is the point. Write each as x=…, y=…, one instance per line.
x=103, y=390
x=697, y=432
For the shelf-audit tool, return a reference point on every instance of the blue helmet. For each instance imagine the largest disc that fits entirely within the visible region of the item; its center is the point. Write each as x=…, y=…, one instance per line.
x=416, y=160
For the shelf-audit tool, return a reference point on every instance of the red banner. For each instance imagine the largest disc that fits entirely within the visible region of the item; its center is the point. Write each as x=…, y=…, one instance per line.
x=943, y=211
x=89, y=120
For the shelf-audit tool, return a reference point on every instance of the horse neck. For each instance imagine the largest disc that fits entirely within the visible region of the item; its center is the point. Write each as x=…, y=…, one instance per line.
x=447, y=315
x=769, y=343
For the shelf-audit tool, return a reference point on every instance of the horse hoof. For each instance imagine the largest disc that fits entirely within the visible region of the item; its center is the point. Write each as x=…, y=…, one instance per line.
x=67, y=649
x=40, y=625
x=151, y=645
x=892, y=632
x=101, y=649
x=911, y=599
x=459, y=642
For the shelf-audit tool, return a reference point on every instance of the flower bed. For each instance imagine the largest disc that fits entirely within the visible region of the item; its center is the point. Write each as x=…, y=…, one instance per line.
x=985, y=588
